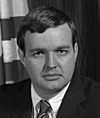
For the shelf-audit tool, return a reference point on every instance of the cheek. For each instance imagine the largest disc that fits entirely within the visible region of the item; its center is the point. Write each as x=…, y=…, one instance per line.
x=68, y=65
x=33, y=67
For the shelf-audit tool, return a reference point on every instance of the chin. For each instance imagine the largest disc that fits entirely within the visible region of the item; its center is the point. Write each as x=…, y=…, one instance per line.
x=55, y=88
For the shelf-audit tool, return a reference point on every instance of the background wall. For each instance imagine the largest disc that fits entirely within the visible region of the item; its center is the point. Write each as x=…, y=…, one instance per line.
x=86, y=15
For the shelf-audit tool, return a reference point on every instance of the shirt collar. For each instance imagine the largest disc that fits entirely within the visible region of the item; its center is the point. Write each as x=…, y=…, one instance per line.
x=35, y=97
x=54, y=102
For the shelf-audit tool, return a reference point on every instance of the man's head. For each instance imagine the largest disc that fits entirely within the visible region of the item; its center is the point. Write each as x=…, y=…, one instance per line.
x=47, y=38
x=42, y=18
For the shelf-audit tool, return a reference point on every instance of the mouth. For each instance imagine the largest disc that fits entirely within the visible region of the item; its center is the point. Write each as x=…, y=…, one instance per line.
x=52, y=77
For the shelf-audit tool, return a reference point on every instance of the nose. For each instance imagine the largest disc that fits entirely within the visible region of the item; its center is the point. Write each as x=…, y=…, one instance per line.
x=51, y=61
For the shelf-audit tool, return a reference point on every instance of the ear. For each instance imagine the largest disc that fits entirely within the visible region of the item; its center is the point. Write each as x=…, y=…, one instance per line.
x=76, y=49
x=22, y=56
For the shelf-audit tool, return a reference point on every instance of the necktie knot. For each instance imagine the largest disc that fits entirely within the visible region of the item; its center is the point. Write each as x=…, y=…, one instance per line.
x=44, y=108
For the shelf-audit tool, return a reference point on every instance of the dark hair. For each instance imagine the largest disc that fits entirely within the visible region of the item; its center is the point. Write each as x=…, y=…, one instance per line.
x=42, y=18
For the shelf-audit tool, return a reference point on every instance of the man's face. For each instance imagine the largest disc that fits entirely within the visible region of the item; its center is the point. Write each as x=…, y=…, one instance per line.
x=50, y=59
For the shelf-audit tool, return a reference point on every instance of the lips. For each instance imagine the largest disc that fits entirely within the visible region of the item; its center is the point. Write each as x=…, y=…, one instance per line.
x=52, y=77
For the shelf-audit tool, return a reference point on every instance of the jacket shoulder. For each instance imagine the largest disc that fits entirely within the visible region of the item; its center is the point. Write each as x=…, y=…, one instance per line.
x=92, y=92
x=11, y=88
x=10, y=93
x=90, y=86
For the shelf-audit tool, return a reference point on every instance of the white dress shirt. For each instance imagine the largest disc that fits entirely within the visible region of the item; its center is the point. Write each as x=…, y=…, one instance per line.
x=55, y=102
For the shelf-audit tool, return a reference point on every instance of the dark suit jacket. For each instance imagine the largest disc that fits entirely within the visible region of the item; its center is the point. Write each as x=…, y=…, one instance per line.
x=82, y=100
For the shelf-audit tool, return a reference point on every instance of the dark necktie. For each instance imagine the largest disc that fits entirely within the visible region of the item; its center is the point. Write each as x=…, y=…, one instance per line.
x=44, y=109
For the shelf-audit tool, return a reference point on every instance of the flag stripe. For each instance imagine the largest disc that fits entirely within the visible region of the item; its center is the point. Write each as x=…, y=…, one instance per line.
x=0, y=42
x=10, y=8
x=20, y=8
x=7, y=28
x=2, y=74
x=10, y=27
x=10, y=50
x=15, y=71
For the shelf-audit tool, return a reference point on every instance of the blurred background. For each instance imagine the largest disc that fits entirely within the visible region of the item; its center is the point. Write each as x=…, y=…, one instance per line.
x=86, y=15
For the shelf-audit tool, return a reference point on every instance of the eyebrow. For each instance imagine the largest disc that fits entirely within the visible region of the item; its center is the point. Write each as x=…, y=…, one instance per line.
x=37, y=49
x=44, y=49
x=63, y=47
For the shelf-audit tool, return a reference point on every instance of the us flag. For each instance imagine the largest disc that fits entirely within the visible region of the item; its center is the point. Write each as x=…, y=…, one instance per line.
x=11, y=15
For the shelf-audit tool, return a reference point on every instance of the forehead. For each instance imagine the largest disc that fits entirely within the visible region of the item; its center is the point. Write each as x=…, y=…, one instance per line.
x=52, y=37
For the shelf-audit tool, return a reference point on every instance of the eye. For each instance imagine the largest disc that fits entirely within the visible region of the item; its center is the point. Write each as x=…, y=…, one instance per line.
x=38, y=54
x=62, y=52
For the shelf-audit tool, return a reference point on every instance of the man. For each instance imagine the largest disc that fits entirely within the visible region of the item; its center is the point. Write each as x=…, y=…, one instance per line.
x=48, y=48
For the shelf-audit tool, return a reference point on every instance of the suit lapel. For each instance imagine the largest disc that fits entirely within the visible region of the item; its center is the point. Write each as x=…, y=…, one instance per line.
x=71, y=104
